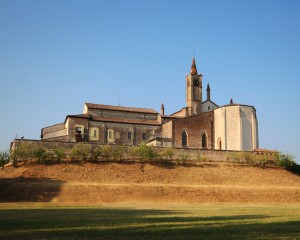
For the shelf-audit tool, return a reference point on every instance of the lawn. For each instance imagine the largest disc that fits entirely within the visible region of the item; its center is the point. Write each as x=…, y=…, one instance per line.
x=186, y=222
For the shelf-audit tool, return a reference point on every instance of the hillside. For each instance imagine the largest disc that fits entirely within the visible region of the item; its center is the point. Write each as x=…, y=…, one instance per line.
x=152, y=183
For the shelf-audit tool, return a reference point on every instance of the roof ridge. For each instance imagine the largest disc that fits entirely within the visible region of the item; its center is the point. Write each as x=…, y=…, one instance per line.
x=124, y=108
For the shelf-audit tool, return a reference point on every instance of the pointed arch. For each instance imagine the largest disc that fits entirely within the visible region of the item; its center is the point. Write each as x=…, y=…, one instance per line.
x=204, y=140
x=184, y=139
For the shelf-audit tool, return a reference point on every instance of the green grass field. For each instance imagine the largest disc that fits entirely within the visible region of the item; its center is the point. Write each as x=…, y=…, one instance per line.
x=188, y=222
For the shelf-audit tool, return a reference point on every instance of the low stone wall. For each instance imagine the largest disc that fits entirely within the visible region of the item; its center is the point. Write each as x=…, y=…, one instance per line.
x=53, y=128
x=179, y=153
x=202, y=155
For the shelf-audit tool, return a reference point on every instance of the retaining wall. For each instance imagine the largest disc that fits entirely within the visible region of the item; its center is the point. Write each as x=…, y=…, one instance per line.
x=179, y=153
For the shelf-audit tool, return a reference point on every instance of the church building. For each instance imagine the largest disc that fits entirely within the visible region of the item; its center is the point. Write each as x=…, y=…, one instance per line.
x=200, y=125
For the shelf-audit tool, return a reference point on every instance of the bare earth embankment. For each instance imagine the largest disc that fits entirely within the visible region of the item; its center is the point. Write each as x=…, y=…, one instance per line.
x=106, y=183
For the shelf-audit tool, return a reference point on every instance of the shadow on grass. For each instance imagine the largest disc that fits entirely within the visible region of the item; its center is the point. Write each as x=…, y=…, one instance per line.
x=29, y=189
x=80, y=223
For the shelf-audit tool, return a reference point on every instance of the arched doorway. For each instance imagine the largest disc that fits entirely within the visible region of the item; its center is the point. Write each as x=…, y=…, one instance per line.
x=184, y=139
x=204, y=140
x=219, y=144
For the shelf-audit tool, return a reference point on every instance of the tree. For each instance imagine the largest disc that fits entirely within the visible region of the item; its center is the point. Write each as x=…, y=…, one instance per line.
x=4, y=158
x=23, y=152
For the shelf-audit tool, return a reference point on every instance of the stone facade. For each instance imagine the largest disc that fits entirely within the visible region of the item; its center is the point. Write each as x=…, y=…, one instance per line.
x=55, y=132
x=236, y=127
x=107, y=124
x=199, y=125
x=194, y=90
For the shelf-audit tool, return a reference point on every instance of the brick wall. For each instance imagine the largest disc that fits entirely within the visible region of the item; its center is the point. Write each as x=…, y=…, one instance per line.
x=194, y=126
x=72, y=123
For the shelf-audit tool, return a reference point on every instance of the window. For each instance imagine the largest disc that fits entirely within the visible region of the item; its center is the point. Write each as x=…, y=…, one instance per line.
x=220, y=145
x=144, y=136
x=204, y=140
x=94, y=133
x=111, y=134
x=129, y=135
x=208, y=107
x=184, y=139
x=79, y=133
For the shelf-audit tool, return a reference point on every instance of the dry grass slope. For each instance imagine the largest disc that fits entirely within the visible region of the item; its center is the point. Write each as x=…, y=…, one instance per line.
x=148, y=183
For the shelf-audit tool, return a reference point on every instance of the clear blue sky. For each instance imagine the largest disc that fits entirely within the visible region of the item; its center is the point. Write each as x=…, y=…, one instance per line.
x=57, y=54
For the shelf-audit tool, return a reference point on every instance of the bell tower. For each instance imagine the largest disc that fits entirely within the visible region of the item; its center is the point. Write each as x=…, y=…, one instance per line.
x=194, y=90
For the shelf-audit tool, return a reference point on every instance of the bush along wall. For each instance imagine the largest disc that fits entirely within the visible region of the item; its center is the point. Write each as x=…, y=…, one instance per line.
x=47, y=152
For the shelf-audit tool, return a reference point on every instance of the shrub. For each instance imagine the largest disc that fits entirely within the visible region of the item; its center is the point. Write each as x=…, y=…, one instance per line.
x=287, y=161
x=204, y=158
x=249, y=158
x=264, y=160
x=146, y=152
x=4, y=158
x=59, y=154
x=96, y=153
x=106, y=152
x=235, y=157
x=119, y=152
x=133, y=152
x=81, y=151
x=167, y=153
x=38, y=153
x=48, y=157
x=183, y=157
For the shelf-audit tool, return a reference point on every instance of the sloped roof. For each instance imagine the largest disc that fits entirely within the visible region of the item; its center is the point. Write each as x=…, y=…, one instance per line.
x=236, y=104
x=77, y=116
x=125, y=120
x=120, y=108
x=193, y=67
x=211, y=102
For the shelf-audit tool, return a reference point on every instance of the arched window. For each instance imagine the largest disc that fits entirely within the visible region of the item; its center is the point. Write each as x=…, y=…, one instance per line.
x=204, y=140
x=184, y=139
x=219, y=144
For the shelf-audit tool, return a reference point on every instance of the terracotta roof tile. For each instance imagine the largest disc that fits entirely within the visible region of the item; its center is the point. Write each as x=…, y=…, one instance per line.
x=126, y=120
x=119, y=108
x=77, y=116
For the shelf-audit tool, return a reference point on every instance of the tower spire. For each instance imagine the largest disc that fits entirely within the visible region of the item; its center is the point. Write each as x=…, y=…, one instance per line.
x=208, y=92
x=193, y=67
x=162, y=109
